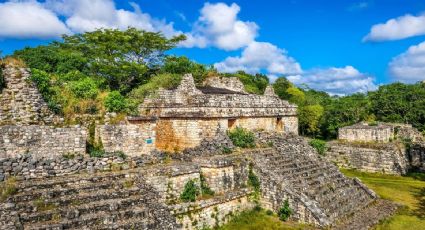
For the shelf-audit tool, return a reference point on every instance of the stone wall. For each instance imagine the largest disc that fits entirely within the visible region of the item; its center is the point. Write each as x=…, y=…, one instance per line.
x=132, y=139
x=389, y=158
x=20, y=101
x=417, y=156
x=174, y=135
x=366, y=133
x=41, y=141
x=230, y=83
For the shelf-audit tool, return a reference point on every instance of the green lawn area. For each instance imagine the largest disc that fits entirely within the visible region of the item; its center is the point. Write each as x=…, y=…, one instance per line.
x=405, y=190
x=259, y=220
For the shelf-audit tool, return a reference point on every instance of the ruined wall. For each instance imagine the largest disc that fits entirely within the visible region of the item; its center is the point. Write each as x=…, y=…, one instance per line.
x=41, y=141
x=389, y=158
x=417, y=156
x=377, y=134
x=132, y=139
x=20, y=101
x=230, y=83
x=174, y=135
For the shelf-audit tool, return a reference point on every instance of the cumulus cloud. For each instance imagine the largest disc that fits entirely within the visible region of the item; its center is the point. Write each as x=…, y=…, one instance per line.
x=336, y=81
x=29, y=20
x=258, y=56
x=397, y=28
x=83, y=15
x=218, y=25
x=409, y=66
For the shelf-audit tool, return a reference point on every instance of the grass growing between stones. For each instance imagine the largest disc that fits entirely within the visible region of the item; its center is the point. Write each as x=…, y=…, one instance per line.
x=405, y=190
x=260, y=220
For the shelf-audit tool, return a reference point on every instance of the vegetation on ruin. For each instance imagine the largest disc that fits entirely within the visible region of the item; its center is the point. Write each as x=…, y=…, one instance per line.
x=190, y=191
x=319, y=145
x=285, y=211
x=257, y=219
x=206, y=191
x=408, y=191
x=7, y=188
x=242, y=137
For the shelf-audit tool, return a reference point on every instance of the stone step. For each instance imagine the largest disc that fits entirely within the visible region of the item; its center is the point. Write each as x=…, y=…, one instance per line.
x=76, y=211
x=95, y=219
x=59, y=191
x=80, y=198
x=69, y=180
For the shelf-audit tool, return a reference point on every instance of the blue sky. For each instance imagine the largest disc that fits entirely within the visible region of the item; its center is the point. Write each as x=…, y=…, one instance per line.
x=341, y=47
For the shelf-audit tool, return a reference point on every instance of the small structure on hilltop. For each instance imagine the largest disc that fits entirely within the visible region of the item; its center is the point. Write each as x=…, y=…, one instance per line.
x=187, y=115
x=378, y=147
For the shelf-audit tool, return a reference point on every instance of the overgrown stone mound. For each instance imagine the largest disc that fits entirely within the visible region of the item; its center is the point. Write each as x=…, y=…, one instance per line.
x=316, y=189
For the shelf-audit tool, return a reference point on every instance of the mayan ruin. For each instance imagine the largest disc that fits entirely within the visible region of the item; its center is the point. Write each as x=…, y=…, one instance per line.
x=241, y=115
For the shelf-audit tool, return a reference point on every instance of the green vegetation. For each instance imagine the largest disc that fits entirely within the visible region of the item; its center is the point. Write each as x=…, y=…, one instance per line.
x=258, y=219
x=43, y=205
x=319, y=145
x=242, y=137
x=253, y=180
x=205, y=189
x=7, y=188
x=405, y=190
x=190, y=191
x=285, y=211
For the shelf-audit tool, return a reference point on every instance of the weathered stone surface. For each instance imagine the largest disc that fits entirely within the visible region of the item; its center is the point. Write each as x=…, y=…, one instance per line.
x=41, y=141
x=391, y=158
x=20, y=101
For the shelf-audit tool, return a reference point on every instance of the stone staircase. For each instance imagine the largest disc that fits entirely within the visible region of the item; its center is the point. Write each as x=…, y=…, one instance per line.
x=110, y=200
x=326, y=193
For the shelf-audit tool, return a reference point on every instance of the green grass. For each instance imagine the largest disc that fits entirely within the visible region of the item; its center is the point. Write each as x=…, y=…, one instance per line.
x=405, y=190
x=259, y=220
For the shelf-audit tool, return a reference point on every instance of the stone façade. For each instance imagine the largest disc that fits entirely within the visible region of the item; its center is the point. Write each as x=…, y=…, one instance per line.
x=187, y=115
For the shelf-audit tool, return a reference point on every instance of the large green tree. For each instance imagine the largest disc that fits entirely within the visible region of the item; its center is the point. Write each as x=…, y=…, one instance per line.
x=123, y=58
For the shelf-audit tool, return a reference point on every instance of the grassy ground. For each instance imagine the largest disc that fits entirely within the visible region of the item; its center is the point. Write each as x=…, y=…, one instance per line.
x=407, y=190
x=259, y=220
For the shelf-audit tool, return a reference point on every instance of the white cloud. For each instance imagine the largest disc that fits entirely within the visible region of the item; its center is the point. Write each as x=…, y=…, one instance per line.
x=409, y=66
x=218, y=25
x=83, y=15
x=258, y=56
x=29, y=20
x=335, y=81
x=397, y=28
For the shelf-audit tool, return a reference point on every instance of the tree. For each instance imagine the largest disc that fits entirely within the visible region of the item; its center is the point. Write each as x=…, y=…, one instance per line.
x=182, y=65
x=123, y=58
x=281, y=85
x=309, y=117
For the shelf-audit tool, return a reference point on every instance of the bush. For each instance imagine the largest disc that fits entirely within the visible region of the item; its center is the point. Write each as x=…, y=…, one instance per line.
x=319, y=145
x=42, y=81
x=97, y=153
x=7, y=188
x=269, y=212
x=285, y=211
x=85, y=88
x=115, y=102
x=166, y=81
x=2, y=82
x=205, y=189
x=242, y=138
x=253, y=180
x=190, y=191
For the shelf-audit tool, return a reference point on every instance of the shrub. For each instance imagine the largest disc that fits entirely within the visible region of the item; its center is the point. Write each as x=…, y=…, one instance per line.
x=253, y=180
x=2, y=82
x=285, y=211
x=7, y=188
x=85, y=88
x=226, y=150
x=166, y=81
x=205, y=189
x=115, y=102
x=242, y=138
x=96, y=153
x=269, y=212
x=319, y=145
x=42, y=81
x=190, y=191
